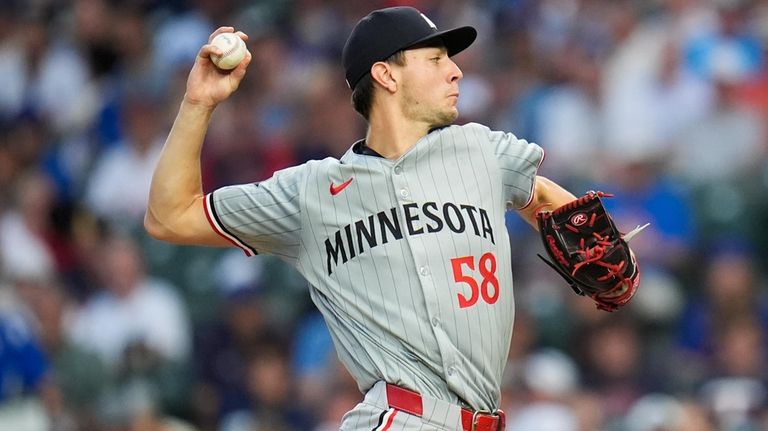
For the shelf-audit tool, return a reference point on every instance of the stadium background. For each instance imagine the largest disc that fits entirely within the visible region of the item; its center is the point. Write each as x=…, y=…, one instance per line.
x=663, y=103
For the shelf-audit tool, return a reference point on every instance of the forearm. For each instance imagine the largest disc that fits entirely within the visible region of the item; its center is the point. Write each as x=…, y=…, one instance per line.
x=547, y=196
x=176, y=209
x=177, y=183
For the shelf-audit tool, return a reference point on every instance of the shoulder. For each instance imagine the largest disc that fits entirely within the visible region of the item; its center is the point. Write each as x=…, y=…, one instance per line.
x=459, y=129
x=326, y=163
x=475, y=127
x=472, y=131
x=309, y=166
x=296, y=177
x=475, y=134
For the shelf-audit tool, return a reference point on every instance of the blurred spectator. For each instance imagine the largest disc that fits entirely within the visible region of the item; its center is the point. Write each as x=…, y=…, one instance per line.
x=222, y=349
x=729, y=58
x=560, y=114
x=589, y=410
x=629, y=84
x=176, y=41
x=25, y=140
x=653, y=412
x=27, y=238
x=694, y=418
x=133, y=405
x=133, y=310
x=35, y=60
x=324, y=95
x=737, y=394
x=271, y=394
x=336, y=405
x=701, y=156
x=551, y=378
x=614, y=366
x=730, y=48
x=138, y=327
x=754, y=93
x=658, y=305
x=314, y=359
x=78, y=377
x=730, y=290
x=514, y=395
x=24, y=367
x=656, y=411
x=118, y=189
x=544, y=316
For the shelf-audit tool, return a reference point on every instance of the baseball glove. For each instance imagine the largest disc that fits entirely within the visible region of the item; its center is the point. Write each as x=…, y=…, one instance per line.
x=589, y=252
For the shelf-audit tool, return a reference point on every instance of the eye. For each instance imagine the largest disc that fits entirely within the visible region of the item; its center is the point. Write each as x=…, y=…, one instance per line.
x=436, y=59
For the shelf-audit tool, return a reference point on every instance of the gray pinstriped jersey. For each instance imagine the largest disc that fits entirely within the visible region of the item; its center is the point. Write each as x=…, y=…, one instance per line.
x=409, y=262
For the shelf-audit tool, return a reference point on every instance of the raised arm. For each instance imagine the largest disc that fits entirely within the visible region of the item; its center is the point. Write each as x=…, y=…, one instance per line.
x=175, y=212
x=547, y=195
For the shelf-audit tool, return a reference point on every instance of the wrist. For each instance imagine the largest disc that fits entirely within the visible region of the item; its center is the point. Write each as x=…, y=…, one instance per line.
x=196, y=104
x=193, y=114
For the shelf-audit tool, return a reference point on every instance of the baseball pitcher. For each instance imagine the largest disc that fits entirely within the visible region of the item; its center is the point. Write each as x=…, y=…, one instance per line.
x=402, y=239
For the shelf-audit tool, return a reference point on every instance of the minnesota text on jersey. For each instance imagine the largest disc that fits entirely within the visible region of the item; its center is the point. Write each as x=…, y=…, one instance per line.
x=361, y=234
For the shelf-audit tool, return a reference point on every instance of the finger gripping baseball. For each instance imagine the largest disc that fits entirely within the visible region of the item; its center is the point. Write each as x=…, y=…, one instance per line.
x=587, y=250
x=232, y=48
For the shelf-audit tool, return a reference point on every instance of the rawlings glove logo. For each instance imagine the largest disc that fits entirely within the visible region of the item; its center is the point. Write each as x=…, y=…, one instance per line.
x=578, y=219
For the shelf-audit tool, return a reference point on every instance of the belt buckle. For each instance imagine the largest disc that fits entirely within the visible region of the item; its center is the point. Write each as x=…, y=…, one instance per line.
x=496, y=412
x=474, y=417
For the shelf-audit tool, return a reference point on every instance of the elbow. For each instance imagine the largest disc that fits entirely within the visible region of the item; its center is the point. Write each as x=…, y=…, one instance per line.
x=178, y=226
x=543, y=187
x=154, y=228
x=551, y=193
x=539, y=194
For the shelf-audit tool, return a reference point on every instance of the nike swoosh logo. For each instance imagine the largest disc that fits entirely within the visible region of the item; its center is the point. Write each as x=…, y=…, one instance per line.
x=337, y=189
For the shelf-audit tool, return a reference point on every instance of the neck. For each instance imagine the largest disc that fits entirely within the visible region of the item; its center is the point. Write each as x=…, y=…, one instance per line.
x=393, y=135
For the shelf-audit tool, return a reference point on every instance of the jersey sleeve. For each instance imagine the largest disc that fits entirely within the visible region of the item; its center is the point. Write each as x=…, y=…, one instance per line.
x=518, y=162
x=263, y=217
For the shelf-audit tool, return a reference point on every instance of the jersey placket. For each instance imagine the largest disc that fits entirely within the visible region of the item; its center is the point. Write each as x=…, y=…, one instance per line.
x=403, y=178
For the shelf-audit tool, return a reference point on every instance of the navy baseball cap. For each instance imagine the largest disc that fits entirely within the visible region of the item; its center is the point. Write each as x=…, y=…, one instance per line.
x=383, y=32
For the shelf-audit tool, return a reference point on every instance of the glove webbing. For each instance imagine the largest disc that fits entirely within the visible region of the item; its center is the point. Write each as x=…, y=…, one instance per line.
x=593, y=255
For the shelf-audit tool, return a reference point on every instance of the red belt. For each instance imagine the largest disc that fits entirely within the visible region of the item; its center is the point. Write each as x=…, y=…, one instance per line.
x=410, y=402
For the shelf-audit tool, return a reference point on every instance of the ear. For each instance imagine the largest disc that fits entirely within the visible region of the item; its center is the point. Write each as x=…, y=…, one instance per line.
x=382, y=73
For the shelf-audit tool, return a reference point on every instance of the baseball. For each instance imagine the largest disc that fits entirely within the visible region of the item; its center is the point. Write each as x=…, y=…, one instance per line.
x=233, y=51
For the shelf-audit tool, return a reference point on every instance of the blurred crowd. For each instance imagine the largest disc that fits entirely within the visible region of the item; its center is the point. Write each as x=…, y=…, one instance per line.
x=661, y=102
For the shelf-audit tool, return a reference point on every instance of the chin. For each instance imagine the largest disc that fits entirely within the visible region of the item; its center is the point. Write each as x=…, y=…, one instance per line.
x=444, y=118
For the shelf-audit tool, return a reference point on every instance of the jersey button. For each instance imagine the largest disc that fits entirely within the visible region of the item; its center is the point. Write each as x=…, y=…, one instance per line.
x=435, y=322
x=451, y=370
x=404, y=193
x=398, y=170
x=424, y=271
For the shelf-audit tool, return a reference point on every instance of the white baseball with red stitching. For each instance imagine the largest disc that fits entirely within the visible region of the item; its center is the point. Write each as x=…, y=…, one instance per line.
x=233, y=51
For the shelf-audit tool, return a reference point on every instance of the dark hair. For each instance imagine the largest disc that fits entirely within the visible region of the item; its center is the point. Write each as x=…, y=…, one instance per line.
x=362, y=95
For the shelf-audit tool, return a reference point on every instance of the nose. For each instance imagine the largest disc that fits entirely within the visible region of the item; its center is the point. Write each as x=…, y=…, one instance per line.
x=456, y=73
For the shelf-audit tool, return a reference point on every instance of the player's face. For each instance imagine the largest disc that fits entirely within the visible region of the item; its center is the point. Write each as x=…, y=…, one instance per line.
x=429, y=86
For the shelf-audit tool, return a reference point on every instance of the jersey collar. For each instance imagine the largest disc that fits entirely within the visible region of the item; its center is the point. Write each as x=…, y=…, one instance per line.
x=359, y=147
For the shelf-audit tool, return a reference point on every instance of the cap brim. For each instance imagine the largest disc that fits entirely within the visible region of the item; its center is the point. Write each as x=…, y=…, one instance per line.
x=455, y=40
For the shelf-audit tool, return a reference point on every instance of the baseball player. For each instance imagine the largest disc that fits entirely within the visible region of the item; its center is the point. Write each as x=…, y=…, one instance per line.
x=402, y=239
